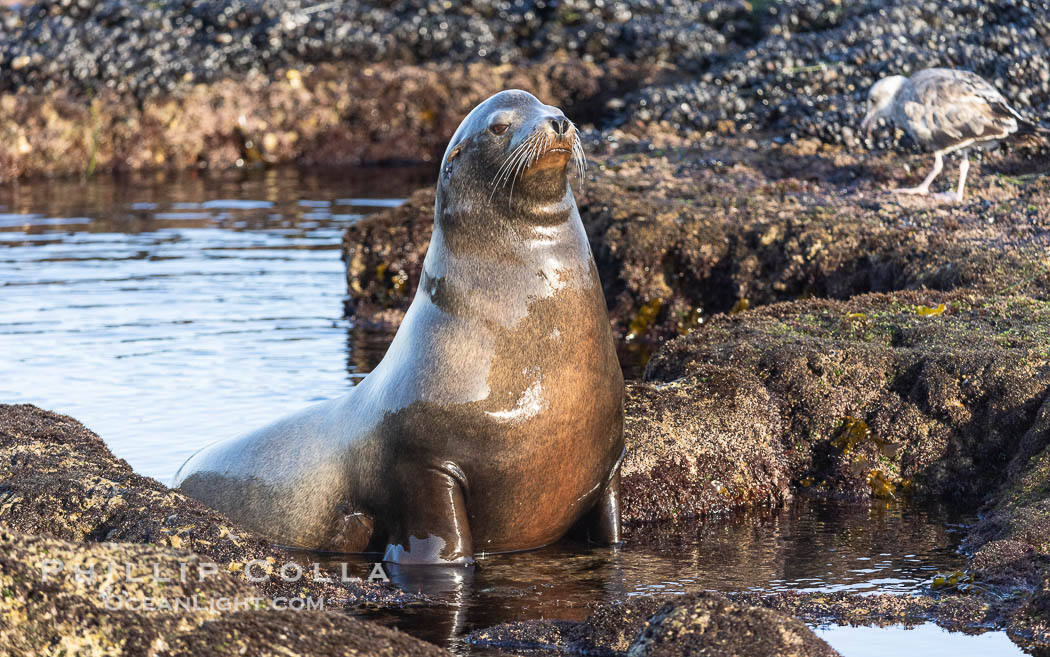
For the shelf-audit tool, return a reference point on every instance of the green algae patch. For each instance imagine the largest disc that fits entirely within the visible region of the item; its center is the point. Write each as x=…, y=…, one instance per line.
x=927, y=311
x=853, y=432
x=881, y=485
x=740, y=306
x=644, y=318
x=958, y=580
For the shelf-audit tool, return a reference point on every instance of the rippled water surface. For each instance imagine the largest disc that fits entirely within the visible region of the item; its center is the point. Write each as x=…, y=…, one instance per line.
x=924, y=640
x=807, y=546
x=167, y=313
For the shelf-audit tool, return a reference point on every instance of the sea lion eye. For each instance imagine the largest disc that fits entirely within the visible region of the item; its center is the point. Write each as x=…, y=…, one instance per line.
x=499, y=128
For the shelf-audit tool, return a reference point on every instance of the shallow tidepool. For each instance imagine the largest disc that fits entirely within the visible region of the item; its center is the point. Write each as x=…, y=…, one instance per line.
x=167, y=313
x=808, y=546
x=927, y=640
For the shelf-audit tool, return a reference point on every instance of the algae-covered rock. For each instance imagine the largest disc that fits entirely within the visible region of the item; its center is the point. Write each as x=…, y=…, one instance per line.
x=681, y=235
x=704, y=443
x=58, y=597
x=292, y=633
x=709, y=624
x=58, y=479
x=703, y=623
x=936, y=405
x=311, y=115
x=610, y=628
x=384, y=257
x=122, y=599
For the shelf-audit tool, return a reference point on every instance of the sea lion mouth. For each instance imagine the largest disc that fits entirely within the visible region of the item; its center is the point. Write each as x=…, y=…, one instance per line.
x=540, y=151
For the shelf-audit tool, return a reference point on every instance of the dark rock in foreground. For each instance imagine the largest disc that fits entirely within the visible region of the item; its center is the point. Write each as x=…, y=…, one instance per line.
x=47, y=608
x=58, y=479
x=121, y=565
x=704, y=623
x=711, y=625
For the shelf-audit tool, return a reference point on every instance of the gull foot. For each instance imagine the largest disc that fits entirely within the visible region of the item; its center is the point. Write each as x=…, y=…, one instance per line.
x=948, y=197
x=920, y=191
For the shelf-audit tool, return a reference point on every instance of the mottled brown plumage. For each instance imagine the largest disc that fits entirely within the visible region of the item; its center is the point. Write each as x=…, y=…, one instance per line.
x=944, y=110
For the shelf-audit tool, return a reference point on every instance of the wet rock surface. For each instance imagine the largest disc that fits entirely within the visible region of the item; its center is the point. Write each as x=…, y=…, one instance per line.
x=704, y=623
x=50, y=605
x=710, y=624
x=705, y=443
x=681, y=234
x=59, y=480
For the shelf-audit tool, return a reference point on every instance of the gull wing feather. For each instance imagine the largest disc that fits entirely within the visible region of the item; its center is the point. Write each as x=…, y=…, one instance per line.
x=947, y=110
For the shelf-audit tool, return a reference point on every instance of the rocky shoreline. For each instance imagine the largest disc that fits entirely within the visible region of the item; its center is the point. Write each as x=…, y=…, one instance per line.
x=108, y=86
x=794, y=329
x=825, y=339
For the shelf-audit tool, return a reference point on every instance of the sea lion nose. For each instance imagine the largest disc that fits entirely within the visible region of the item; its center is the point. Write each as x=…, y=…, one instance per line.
x=561, y=126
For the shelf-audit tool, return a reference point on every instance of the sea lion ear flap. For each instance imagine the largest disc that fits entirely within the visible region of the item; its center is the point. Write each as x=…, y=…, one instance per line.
x=452, y=154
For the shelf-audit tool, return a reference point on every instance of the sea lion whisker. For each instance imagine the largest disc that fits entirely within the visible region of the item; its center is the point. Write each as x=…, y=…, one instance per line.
x=520, y=153
x=539, y=146
x=582, y=154
x=524, y=161
x=508, y=166
x=512, y=173
x=517, y=156
x=507, y=160
x=579, y=156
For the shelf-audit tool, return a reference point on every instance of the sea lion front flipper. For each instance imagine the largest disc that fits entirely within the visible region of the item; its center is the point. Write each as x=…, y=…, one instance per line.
x=601, y=525
x=433, y=525
x=605, y=522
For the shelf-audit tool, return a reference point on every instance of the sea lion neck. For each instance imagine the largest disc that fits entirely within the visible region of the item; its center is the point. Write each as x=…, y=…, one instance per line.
x=471, y=222
x=476, y=257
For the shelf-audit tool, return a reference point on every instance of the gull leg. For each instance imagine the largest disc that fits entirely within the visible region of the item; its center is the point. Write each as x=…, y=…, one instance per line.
x=924, y=187
x=957, y=195
x=964, y=168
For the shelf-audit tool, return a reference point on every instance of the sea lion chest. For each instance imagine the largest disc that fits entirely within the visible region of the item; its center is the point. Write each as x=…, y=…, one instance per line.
x=517, y=385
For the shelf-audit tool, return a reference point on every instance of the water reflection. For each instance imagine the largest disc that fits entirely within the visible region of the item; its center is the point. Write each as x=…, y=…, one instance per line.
x=167, y=312
x=807, y=546
x=925, y=639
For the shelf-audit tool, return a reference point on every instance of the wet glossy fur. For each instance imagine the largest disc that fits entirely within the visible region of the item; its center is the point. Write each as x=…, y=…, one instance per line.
x=495, y=420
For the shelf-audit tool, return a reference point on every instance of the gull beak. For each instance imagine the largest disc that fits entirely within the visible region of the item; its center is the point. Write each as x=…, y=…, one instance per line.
x=868, y=123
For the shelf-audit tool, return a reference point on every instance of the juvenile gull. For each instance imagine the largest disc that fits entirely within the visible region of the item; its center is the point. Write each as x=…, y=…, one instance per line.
x=947, y=111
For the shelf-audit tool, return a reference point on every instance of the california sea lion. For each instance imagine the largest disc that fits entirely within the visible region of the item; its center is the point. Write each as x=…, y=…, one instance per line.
x=495, y=420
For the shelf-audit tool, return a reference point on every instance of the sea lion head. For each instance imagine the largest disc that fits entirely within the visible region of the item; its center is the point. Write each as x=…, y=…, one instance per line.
x=511, y=152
